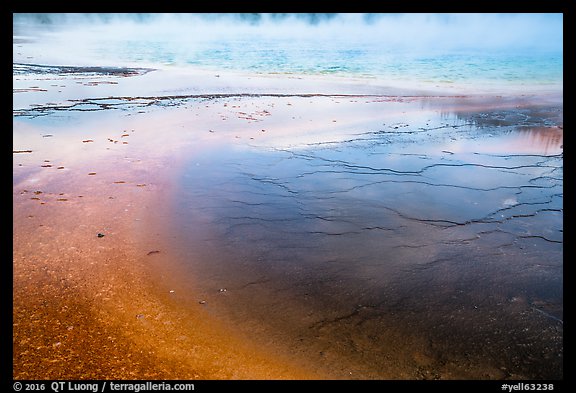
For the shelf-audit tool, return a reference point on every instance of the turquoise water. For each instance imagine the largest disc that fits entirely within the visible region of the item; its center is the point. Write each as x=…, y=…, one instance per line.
x=272, y=56
x=428, y=49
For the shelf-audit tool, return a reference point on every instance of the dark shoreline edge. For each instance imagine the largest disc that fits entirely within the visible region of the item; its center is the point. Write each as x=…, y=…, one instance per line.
x=22, y=68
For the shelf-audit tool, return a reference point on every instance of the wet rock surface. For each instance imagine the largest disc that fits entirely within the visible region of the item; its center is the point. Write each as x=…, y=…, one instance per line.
x=368, y=236
x=425, y=249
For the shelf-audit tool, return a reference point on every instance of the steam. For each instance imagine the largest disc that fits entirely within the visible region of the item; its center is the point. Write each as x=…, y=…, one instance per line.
x=542, y=31
x=409, y=33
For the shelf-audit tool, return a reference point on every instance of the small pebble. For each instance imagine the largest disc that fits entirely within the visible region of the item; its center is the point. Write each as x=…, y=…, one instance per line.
x=100, y=235
x=202, y=302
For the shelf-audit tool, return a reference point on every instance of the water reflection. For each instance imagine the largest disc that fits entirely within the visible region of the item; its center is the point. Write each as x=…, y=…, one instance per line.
x=448, y=241
x=518, y=140
x=541, y=140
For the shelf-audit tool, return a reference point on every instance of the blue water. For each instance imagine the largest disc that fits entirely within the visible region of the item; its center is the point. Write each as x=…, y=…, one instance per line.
x=442, y=50
x=269, y=57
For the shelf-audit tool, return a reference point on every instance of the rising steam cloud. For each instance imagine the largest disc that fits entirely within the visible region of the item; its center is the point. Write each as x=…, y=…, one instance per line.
x=417, y=31
x=96, y=39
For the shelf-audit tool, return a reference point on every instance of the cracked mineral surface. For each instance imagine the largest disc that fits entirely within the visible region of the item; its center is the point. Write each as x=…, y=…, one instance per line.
x=413, y=242
x=356, y=235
